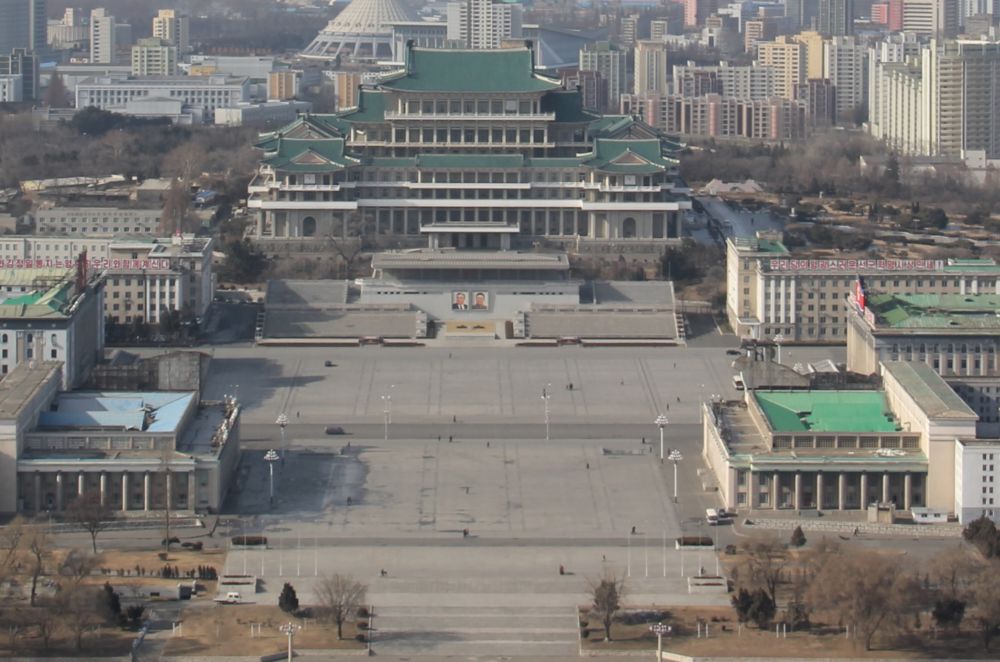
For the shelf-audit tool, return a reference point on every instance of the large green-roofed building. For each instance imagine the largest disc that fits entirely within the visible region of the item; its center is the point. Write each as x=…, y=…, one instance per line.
x=469, y=149
x=826, y=411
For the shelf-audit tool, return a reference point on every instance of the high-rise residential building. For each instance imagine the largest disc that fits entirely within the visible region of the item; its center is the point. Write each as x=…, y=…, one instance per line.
x=483, y=23
x=651, y=67
x=813, y=41
x=102, y=37
x=892, y=51
x=283, y=85
x=658, y=29
x=757, y=30
x=895, y=22
x=154, y=57
x=70, y=32
x=606, y=59
x=802, y=13
x=936, y=18
x=24, y=63
x=743, y=82
x=844, y=65
x=629, y=29
x=23, y=24
x=788, y=58
x=820, y=98
x=174, y=27
x=696, y=11
x=348, y=85
x=836, y=17
x=880, y=13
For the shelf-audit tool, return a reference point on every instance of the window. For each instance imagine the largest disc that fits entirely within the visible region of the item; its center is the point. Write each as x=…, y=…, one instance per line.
x=54, y=354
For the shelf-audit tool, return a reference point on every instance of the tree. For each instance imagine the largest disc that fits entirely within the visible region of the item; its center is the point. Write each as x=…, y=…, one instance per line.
x=46, y=620
x=39, y=549
x=11, y=543
x=761, y=609
x=185, y=162
x=359, y=235
x=765, y=559
x=176, y=204
x=77, y=566
x=985, y=599
x=742, y=600
x=89, y=513
x=983, y=535
x=339, y=597
x=109, y=606
x=798, y=537
x=245, y=263
x=288, y=601
x=55, y=95
x=77, y=610
x=948, y=612
x=606, y=596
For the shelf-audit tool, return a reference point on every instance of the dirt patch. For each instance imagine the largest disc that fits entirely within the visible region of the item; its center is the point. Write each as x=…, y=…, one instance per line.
x=226, y=630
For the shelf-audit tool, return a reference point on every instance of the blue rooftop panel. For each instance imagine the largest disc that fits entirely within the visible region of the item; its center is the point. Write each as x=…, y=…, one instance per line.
x=149, y=412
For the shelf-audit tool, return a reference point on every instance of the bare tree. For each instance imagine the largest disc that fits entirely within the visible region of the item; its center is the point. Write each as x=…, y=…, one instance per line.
x=91, y=514
x=46, y=620
x=606, y=596
x=954, y=571
x=39, y=549
x=77, y=609
x=77, y=566
x=11, y=545
x=865, y=589
x=186, y=161
x=765, y=560
x=985, y=597
x=340, y=597
x=358, y=235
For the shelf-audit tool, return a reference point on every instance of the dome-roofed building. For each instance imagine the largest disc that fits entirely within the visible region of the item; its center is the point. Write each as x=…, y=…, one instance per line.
x=361, y=31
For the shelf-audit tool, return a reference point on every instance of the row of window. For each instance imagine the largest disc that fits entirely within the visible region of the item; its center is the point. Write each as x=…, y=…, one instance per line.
x=472, y=177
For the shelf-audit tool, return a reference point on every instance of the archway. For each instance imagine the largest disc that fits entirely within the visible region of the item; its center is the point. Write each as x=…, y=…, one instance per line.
x=308, y=226
x=628, y=228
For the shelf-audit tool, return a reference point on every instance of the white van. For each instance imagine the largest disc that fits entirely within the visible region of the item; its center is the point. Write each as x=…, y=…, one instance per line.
x=738, y=382
x=232, y=597
x=711, y=516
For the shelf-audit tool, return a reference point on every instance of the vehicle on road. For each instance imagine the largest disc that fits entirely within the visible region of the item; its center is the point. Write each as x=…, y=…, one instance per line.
x=232, y=598
x=328, y=363
x=334, y=429
x=711, y=516
x=733, y=352
x=738, y=383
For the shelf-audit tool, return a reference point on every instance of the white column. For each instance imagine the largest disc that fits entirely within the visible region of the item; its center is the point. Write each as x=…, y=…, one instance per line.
x=170, y=491
x=124, y=491
x=157, y=297
x=148, y=316
x=885, y=487
x=145, y=491
x=783, y=295
x=104, y=488
x=772, y=287
x=792, y=306
x=59, y=490
x=80, y=479
x=841, y=489
x=819, y=490
x=864, y=490
x=38, y=492
x=798, y=490
x=907, y=490
x=775, y=490
x=192, y=491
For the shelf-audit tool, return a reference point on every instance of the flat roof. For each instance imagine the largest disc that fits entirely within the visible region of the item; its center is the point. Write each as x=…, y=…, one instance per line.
x=155, y=411
x=470, y=259
x=929, y=390
x=935, y=311
x=21, y=384
x=827, y=411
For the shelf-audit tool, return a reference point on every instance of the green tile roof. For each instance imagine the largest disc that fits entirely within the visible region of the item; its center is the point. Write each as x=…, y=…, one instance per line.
x=371, y=108
x=470, y=160
x=50, y=303
x=455, y=70
x=298, y=155
x=628, y=156
x=568, y=107
x=770, y=246
x=936, y=311
x=826, y=411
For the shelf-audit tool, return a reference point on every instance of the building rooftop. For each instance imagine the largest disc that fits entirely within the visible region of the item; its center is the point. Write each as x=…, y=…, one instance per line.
x=936, y=311
x=147, y=412
x=452, y=259
x=927, y=388
x=53, y=302
x=826, y=411
x=458, y=70
x=21, y=384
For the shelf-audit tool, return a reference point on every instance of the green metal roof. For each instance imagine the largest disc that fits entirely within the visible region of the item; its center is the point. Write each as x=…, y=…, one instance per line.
x=641, y=156
x=371, y=108
x=770, y=246
x=936, y=311
x=826, y=411
x=456, y=70
x=295, y=155
x=50, y=303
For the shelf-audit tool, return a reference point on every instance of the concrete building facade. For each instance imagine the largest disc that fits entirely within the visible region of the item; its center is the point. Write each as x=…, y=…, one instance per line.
x=103, y=42
x=154, y=57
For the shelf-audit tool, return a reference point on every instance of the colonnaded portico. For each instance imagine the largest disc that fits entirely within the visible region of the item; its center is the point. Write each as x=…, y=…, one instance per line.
x=133, y=490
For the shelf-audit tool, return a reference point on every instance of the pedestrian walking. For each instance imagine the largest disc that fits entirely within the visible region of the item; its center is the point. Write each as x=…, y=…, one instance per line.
x=487, y=444
x=450, y=438
x=454, y=419
x=588, y=465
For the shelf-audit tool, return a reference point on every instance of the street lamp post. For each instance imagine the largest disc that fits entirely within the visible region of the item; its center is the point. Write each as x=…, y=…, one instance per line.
x=659, y=630
x=545, y=396
x=778, y=339
x=289, y=631
x=271, y=457
x=387, y=410
x=675, y=457
x=282, y=422
x=661, y=422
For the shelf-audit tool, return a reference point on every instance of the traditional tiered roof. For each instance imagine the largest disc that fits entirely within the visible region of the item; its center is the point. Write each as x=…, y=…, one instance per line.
x=456, y=70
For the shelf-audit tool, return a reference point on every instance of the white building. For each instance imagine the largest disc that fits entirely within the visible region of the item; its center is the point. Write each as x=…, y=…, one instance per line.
x=844, y=66
x=483, y=23
x=255, y=67
x=205, y=93
x=935, y=18
x=173, y=27
x=271, y=112
x=651, y=72
x=154, y=57
x=96, y=221
x=102, y=37
x=52, y=314
x=977, y=479
x=611, y=63
x=11, y=88
x=755, y=82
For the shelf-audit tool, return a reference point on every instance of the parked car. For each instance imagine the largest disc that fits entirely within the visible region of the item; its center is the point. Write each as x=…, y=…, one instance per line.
x=329, y=364
x=733, y=352
x=334, y=429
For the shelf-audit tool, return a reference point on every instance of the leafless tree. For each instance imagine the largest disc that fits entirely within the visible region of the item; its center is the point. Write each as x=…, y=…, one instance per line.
x=39, y=549
x=11, y=545
x=339, y=598
x=77, y=609
x=606, y=595
x=91, y=515
x=77, y=566
x=763, y=564
x=954, y=571
x=46, y=621
x=985, y=597
x=186, y=161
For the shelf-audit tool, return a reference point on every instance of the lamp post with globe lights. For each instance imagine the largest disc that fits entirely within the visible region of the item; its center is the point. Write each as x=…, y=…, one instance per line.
x=289, y=631
x=282, y=422
x=778, y=339
x=661, y=422
x=675, y=457
x=271, y=456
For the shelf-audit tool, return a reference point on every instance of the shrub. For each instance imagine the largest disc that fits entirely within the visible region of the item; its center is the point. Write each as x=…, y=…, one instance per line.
x=584, y=633
x=798, y=538
x=983, y=535
x=363, y=612
x=948, y=613
x=249, y=540
x=288, y=601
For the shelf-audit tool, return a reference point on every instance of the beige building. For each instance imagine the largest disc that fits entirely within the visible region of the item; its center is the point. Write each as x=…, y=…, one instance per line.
x=142, y=452
x=788, y=58
x=934, y=18
x=813, y=42
x=103, y=43
x=283, y=85
x=174, y=27
x=96, y=221
x=769, y=291
x=154, y=57
x=144, y=276
x=651, y=71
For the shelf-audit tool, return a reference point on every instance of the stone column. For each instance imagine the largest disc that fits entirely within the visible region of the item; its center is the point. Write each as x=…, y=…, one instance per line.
x=59, y=490
x=38, y=492
x=104, y=488
x=775, y=490
x=80, y=480
x=885, y=487
x=125, y=493
x=908, y=490
x=192, y=492
x=864, y=490
x=798, y=491
x=819, y=490
x=145, y=492
x=170, y=492
x=841, y=490
x=752, y=487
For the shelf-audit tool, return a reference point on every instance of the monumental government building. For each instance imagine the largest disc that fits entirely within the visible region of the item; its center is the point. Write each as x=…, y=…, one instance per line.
x=468, y=149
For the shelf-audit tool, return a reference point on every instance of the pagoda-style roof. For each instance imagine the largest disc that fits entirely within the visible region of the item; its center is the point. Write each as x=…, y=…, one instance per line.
x=641, y=156
x=458, y=70
x=295, y=155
